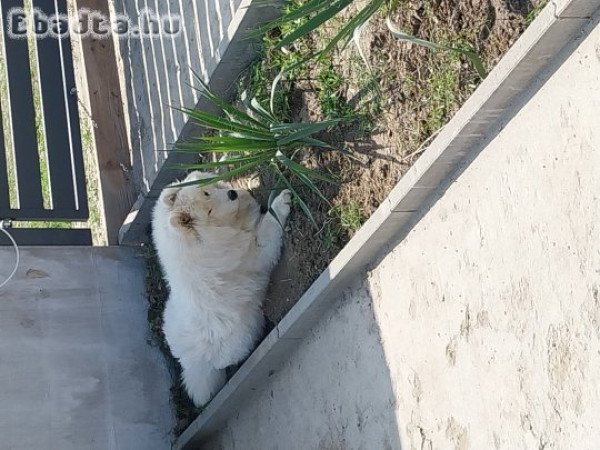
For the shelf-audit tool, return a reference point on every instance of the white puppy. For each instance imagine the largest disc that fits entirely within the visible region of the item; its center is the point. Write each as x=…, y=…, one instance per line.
x=217, y=251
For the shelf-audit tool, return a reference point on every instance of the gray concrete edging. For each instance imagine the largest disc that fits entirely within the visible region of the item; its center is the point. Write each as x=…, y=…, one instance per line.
x=524, y=69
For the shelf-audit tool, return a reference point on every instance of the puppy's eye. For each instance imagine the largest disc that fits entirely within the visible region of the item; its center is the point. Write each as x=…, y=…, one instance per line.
x=206, y=194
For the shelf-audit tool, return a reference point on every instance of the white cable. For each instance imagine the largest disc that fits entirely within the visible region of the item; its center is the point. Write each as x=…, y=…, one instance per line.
x=18, y=260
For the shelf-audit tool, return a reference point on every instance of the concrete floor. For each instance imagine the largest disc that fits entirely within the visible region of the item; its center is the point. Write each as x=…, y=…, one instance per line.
x=77, y=368
x=482, y=328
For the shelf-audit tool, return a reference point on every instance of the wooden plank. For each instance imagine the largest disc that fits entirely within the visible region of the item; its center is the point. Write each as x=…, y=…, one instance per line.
x=118, y=192
x=73, y=109
x=4, y=196
x=23, y=117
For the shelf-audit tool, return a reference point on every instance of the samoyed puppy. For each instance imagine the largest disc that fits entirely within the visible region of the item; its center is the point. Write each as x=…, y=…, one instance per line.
x=217, y=251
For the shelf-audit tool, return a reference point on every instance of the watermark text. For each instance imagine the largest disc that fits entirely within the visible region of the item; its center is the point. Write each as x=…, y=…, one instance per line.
x=89, y=23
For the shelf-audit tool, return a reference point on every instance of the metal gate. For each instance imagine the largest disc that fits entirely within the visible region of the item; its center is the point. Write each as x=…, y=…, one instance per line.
x=42, y=177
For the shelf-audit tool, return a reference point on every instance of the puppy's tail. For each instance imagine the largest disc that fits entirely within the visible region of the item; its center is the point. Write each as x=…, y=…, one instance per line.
x=202, y=381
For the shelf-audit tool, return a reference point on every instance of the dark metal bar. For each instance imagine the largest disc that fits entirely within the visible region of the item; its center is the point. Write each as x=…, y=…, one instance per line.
x=23, y=116
x=48, y=237
x=56, y=123
x=44, y=214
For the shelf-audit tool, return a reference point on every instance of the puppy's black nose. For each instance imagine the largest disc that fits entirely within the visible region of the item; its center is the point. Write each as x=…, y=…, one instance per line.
x=232, y=195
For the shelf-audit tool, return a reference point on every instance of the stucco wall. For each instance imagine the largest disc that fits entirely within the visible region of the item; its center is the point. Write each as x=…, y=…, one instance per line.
x=479, y=330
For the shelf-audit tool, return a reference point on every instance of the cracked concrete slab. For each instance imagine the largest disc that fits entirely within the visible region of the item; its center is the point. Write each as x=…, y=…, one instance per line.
x=77, y=368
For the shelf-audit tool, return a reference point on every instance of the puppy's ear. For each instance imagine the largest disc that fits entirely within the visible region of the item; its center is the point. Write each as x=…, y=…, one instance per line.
x=169, y=195
x=181, y=220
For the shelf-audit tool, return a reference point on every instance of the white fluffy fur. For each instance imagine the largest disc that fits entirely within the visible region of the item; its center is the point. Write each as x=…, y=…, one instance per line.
x=217, y=255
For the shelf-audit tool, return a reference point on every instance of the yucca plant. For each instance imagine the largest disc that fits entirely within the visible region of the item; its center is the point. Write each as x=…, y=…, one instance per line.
x=253, y=139
x=318, y=12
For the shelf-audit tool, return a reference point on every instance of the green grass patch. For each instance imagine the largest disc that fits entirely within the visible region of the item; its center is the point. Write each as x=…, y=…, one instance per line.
x=535, y=11
x=329, y=88
x=350, y=216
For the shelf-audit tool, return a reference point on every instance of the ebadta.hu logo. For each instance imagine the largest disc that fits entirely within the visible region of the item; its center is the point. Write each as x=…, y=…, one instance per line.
x=20, y=23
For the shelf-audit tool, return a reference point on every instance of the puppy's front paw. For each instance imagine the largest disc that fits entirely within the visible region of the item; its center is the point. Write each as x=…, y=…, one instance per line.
x=285, y=197
x=281, y=205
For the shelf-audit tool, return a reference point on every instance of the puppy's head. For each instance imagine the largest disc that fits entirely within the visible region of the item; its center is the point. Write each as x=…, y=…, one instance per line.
x=218, y=205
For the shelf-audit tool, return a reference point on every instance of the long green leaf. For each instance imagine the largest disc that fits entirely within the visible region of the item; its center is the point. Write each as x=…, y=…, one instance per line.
x=287, y=127
x=183, y=148
x=202, y=182
x=231, y=110
x=220, y=124
x=348, y=30
x=274, y=86
x=300, y=169
x=211, y=146
x=241, y=170
x=323, y=16
x=303, y=133
x=224, y=162
x=317, y=143
x=253, y=105
x=233, y=139
x=301, y=202
x=471, y=55
x=297, y=13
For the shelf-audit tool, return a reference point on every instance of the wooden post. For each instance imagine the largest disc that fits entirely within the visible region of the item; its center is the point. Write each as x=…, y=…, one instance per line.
x=110, y=131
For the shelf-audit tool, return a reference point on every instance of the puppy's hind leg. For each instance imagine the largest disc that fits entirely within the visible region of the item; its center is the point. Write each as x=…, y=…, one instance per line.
x=202, y=381
x=270, y=229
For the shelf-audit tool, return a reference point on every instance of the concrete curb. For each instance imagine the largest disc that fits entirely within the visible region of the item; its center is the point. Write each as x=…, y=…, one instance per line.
x=545, y=45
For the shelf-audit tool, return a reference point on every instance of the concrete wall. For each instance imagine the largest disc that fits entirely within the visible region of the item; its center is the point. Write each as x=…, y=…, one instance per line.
x=77, y=369
x=481, y=328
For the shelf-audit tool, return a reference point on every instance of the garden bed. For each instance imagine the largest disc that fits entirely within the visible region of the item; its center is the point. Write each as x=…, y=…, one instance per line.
x=386, y=131
x=419, y=91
